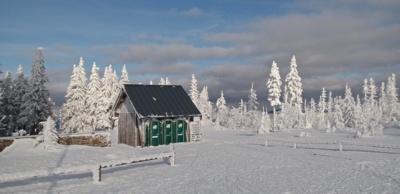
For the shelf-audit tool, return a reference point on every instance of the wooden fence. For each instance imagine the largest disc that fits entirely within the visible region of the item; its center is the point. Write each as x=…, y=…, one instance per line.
x=340, y=144
x=95, y=169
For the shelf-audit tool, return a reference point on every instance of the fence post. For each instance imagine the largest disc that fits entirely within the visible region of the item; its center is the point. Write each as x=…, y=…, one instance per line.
x=96, y=170
x=266, y=143
x=172, y=158
x=294, y=145
x=340, y=147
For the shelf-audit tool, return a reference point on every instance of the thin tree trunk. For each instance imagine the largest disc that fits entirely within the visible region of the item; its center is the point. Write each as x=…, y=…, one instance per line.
x=274, y=116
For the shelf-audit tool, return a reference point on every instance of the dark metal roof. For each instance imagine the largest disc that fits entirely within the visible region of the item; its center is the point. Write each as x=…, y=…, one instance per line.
x=160, y=100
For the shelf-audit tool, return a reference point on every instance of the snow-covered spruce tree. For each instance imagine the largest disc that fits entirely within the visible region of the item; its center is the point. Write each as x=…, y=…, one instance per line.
x=281, y=118
x=265, y=126
x=322, y=124
x=124, y=76
x=393, y=110
x=162, y=81
x=294, y=86
x=8, y=108
x=36, y=107
x=274, y=90
x=329, y=105
x=234, y=118
x=75, y=113
x=93, y=90
x=167, y=82
x=290, y=116
x=242, y=113
x=383, y=105
x=20, y=87
x=204, y=104
x=105, y=100
x=116, y=87
x=49, y=137
x=252, y=99
x=312, y=114
x=348, y=108
x=372, y=95
x=358, y=113
x=336, y=120
x=366, y=105
x=194, y=93
x=371, y=116
x=252, y=115
x=222, y=114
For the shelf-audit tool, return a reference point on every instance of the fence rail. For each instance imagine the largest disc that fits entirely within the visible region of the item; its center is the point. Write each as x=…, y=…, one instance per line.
x=95, y=169
x=339, y=143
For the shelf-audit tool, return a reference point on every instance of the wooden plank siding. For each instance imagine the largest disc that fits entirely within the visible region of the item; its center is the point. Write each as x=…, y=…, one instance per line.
x=128, y=132
x=127, y=129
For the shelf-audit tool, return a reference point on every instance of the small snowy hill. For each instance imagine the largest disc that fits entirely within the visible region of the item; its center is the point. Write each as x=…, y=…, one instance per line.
x=225, y=162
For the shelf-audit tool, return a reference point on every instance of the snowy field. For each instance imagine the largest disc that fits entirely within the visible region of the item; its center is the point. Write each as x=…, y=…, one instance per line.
x=225, y=162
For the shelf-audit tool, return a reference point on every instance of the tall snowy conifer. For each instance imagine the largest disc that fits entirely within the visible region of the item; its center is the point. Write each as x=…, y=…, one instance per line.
x=311, y=114
x=49, y=138
x=75, y=113
x=7, y=107
x=274, y=89
x=382, y=97
x=373, y=93
x=294, y=85
x=194, y=93
x=265, y=125
x=322, y=108
x=124, y=77
x=204, y=102
x=336, y=120
x=348, y=108
x=393, y=101
x=366, y=91
x=36, y=107
x=105, y=100
x=222, y=115
x=115, y=87
x=20, y=87
x=93, y=90
x=162, y=81
x=252, y=99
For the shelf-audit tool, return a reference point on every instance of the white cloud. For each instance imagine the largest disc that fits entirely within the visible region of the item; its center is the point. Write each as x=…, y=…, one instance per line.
x=334, y=43
x=194, y=11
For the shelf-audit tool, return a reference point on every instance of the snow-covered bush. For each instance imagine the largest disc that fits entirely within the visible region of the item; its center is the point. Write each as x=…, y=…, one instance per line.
x=48, y=138
x=265, y=125
x=21, y=132
x=304, y=134
x=371, y=129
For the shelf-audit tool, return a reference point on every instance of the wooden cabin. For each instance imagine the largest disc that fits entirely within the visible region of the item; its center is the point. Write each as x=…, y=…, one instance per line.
x=152, y=115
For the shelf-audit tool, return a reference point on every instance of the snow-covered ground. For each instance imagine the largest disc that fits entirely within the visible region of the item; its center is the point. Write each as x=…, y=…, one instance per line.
x=225, y=161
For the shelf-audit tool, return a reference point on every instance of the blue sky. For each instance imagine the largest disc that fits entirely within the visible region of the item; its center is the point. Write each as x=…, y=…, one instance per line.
x=226, y=44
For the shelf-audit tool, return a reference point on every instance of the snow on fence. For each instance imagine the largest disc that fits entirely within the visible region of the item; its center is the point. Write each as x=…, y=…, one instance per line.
x=95, y=169
x=340, y=144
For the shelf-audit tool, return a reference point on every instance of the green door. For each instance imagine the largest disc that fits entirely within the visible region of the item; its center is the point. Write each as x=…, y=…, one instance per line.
x=167, y=132
x=181, y=126
x=153, y=133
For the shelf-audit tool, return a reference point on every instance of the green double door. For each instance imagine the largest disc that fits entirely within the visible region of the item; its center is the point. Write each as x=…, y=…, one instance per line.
x=166, y=132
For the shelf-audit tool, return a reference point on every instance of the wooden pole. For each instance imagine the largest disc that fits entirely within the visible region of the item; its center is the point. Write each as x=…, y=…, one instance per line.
x=96, y=173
